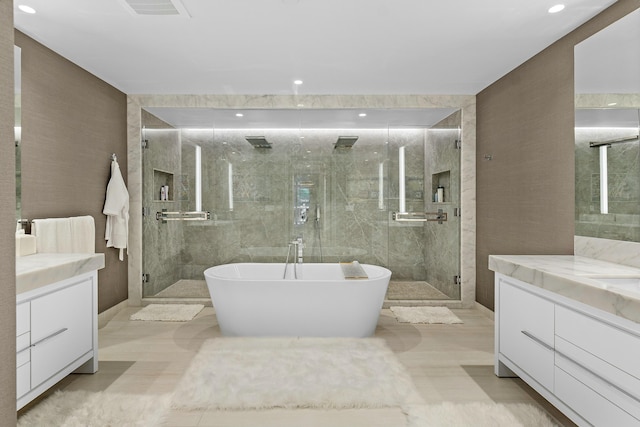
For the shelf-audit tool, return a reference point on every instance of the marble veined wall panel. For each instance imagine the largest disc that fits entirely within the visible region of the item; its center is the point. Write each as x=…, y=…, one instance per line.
x=344, y=187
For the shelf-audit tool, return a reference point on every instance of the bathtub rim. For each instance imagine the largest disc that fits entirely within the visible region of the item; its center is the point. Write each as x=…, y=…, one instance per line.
x=385, y=272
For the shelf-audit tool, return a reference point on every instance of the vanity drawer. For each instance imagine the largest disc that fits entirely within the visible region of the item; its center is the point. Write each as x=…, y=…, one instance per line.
x=591, y=406
x=601, y=347
x=23, y=379
x=526, y=332
x=23, y=318
x=23, y=342
x=61, y=330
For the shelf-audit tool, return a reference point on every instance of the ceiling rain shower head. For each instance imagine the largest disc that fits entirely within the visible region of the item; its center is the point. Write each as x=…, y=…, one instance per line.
x=258, y=141
x=345, y=142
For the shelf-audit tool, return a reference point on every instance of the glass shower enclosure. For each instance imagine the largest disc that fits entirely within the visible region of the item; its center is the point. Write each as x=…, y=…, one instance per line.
x=225, y=186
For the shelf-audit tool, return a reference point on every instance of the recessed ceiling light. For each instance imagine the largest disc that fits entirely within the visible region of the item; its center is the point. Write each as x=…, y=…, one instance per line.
x=26, y=9
x=297, y=82
x=557, y=8
x=611, y=104
x=239, y=115
x=362, y=114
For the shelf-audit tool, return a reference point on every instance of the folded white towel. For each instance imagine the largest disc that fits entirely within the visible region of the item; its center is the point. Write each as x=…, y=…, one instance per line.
x=83, y=234
x=52, y=235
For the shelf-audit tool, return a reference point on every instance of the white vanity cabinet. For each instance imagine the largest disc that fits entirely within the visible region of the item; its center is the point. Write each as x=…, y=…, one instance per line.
x=584, y=361
x=56, y=334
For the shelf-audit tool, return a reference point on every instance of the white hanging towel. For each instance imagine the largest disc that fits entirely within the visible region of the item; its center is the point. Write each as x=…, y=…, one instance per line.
x=53, y=235
x=116, y=208
x=83, y=234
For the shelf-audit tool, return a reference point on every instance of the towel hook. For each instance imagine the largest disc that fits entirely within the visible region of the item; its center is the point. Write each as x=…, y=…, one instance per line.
x=113, y=157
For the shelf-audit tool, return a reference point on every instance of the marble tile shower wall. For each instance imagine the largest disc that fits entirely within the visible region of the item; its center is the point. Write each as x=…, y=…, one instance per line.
x=257, y=227
x=407, y=246
x=623, y=221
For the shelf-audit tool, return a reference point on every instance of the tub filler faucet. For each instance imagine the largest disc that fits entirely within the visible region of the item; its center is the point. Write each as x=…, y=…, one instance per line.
x=297, y=246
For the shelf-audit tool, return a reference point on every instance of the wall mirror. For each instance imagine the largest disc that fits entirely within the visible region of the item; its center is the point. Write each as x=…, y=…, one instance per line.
x=18, y=125
x=607, y=150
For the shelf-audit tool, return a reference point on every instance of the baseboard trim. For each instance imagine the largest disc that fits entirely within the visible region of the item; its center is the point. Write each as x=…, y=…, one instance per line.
x=110, y=313
x=485, y=311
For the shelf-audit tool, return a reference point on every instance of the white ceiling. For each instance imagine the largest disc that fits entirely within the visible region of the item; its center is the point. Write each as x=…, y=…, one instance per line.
x=609, y=61
x=334, y=46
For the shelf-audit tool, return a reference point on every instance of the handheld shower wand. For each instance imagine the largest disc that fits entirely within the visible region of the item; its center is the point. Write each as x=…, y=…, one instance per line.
x=317, y=214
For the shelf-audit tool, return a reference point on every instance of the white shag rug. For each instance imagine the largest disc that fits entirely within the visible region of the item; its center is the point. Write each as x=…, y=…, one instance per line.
x=168, y=312
x=261, y=373
x=477, y=414
x=97, y=409
x=425, y=315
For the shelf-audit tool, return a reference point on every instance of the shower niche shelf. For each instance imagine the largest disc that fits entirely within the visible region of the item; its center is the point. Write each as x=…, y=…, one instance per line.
x=441, y=179
x=163, y=179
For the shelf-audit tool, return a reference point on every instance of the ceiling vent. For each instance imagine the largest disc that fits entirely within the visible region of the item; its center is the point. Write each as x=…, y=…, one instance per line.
x=156, y=7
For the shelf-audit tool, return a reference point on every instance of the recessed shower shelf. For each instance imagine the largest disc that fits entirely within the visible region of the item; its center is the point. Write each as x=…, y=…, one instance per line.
x=163, y=181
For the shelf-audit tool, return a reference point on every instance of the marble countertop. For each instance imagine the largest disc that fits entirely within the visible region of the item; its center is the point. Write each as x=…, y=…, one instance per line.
x=574, y=277
x=34, y=271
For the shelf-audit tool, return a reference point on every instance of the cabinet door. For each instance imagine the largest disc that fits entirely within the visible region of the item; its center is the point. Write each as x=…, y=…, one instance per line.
x=61, y=329
x=526, y=332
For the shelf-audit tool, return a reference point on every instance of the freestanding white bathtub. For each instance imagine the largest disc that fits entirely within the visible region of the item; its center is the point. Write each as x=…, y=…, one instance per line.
x=253, y=299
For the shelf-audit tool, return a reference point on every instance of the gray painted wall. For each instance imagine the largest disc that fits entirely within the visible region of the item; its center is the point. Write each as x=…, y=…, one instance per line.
x=7, y=224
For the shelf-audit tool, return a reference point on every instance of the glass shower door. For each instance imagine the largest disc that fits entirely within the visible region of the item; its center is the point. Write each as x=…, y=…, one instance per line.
x=174, y=210
x=424, y=222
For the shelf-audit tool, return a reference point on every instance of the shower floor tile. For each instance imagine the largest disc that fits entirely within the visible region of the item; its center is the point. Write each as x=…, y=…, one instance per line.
x=185, y=288
x=413, y=290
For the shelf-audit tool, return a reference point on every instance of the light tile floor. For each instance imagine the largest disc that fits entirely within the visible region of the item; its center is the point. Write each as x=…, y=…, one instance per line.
x=447, y=362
